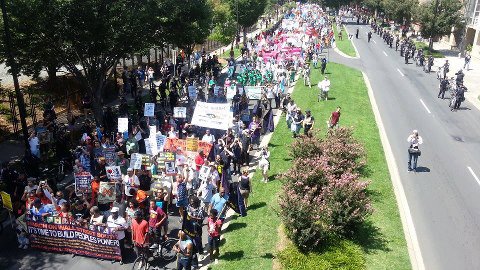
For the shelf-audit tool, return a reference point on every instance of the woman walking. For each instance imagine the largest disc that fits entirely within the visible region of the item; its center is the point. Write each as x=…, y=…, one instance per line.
x=413, y=150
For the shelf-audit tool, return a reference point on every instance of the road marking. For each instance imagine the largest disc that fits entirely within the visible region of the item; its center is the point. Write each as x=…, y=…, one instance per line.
x=385, y=53
x=374, y=41
x=400, y=72
x=409, y=231
x=426, y=108
x=473, y=174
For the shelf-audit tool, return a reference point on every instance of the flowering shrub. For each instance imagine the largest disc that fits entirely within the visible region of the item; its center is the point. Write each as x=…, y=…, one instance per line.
x=305, y=147
x=322, y=194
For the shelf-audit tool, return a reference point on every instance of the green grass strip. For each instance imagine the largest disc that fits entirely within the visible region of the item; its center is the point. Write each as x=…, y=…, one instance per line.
x=345, y=45
x=252, y=241
x=427, y=51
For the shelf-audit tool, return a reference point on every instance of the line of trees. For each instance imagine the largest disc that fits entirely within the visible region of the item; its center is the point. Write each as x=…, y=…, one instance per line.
x=89, y=37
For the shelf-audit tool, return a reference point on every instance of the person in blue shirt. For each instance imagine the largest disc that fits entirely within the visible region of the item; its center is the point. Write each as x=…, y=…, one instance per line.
x=218, y=203
x=39, y=211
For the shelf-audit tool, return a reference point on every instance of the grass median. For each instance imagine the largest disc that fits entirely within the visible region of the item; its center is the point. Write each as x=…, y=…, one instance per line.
x=345, y=44
x=251, y=242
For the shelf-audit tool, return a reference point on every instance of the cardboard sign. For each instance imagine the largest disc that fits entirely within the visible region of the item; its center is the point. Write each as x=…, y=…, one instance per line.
x=110, y=155
x=106, y=192
x=254, y=92
x=161, y=140
x=180, y=112
x=83, y=183
x=6, y=200
x=136, y=161
x=149, y=147
x=192, y=144
x=231, y=91
x=204, y=172
x=122, y=125
x=170, y=168
x=149, y=109
x=113, y=172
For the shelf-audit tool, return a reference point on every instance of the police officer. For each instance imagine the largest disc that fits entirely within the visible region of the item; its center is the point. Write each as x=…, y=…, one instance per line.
x=460, y=97
x=443, y=88
x=369, y=36
x=460, y=76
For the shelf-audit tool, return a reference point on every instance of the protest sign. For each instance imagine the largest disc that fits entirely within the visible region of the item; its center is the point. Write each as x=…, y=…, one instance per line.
x=254, y=92
x=136, y=161
x=161, y=140
x=83, y=183
x=180, y=112
x=170, y=168
x=192, y=144
x=149, y=147
x=110, y=155
x=6, y=200
x=67, y=238
x=204, y=172
x=192, y=92
x=106, y=192
x=231, y=91
x=212, y=115
x=146, y=160
x=113, y=172
x=149, y=109
x=122, y=125
x=177, y=146
x=205, y=146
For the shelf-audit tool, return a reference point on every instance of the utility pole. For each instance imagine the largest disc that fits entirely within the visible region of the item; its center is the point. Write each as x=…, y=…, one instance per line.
x=14, y=70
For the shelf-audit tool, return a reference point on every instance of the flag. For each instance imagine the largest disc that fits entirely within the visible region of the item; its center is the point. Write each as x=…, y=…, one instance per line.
x=224, y=183
x=235, y=200
x=271, y=123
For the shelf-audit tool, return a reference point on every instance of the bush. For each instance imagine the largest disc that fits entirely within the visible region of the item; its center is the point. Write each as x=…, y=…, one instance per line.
x=304, y=147
x=341, y=254
x=322, y=195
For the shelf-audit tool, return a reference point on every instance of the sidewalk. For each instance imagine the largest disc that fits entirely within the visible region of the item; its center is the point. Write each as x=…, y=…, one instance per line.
x=472, y=76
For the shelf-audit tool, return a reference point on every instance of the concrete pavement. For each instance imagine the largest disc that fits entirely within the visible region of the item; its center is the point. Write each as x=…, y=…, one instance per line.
x=444, y=195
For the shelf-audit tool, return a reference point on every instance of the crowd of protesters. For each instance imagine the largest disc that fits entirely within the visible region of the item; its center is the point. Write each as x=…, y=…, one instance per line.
x=148, y=197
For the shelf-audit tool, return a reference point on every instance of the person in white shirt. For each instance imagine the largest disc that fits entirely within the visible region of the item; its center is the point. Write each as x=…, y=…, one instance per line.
x=413, y=150
x=131, y=182
x=172, y=134
x=205, y=193
x=208, y=137
x=118, y=225
x=324, y=87
x=34, y=144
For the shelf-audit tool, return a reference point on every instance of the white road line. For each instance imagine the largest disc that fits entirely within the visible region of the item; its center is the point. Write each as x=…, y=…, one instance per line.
x=374, y=41
x=473, y=174
x=400, y=72
x=385, y=53
x=426, y=108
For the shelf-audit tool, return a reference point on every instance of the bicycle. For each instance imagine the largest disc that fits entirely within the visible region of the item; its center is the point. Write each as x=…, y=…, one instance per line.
x=164, y=251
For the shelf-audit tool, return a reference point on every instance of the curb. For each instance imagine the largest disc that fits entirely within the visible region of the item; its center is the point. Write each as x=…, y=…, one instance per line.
x=353, y=44
x=413, y=246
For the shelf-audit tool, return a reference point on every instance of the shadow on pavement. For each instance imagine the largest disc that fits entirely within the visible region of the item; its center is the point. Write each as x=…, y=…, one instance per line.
x=422, y=169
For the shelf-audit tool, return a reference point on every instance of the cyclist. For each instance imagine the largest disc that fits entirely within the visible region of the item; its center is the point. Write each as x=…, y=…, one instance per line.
x=139, y=234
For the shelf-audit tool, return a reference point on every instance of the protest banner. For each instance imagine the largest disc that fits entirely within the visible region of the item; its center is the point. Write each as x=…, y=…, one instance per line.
x=106, y=192
x=161, y=140
x=149, y=109
x=192, y=92
x=67, y=238
x=192, y=144
x=146, y=161
x=254, y=92
x=177, y=146
x=212, y=115
x=204, y=172
x=6, y=200
x=180, y=112
x=110, y=155
x=122, y=125
x=113, y=172
x=205, y=146
x=136, y=161
x=83, y=183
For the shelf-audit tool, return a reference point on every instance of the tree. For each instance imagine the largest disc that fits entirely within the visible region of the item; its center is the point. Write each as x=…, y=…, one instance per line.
x=188, y=23
x=400, y=11
x=248, y=12
x=96, y=34
x=438, y=17
x=374, y=5
x=224, y=23
x=36, y=35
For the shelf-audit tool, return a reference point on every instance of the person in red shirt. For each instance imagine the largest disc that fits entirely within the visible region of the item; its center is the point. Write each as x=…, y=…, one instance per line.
x=156, y=222
x=334, y=118
x=199, y=160
x=139, y=233
x=214, y=227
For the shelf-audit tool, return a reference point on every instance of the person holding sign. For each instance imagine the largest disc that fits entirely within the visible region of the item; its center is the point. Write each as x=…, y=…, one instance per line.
x=132, y=183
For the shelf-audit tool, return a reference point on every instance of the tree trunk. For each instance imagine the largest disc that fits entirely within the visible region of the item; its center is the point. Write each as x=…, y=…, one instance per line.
x=430, y=44
x=244, y=36
x=52, y=77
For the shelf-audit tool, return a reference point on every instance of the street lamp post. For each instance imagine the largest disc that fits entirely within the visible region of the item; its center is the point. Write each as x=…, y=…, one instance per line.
x=14, y=70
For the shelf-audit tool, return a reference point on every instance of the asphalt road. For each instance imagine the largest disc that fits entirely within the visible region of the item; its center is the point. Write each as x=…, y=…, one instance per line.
x=444, y=195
